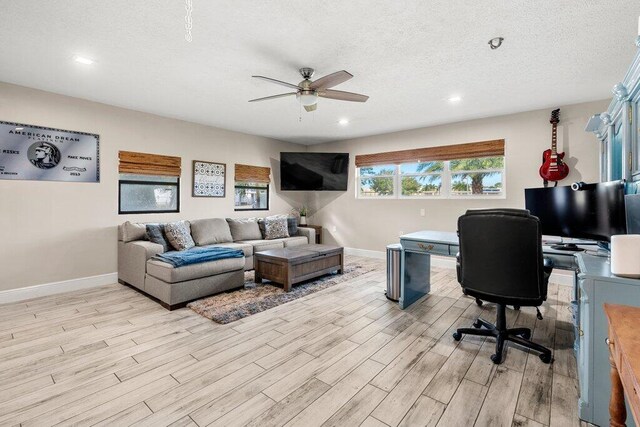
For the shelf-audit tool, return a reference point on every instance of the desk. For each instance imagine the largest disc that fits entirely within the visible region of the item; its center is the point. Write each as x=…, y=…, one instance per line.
x=624, y=348
x=594, y=285
x=415, y=265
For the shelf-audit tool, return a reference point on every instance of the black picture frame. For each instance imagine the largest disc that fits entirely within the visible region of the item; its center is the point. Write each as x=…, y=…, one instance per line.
x=193, y=179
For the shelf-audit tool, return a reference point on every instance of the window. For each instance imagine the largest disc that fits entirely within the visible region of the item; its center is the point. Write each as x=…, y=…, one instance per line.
x=423, y=179
x=149, y=183
x=251, y=196
x=148, y=194
x=453, y=171
x=252, y=188
x=377, y=181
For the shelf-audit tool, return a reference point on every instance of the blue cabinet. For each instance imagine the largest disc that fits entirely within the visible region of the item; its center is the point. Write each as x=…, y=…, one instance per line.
x=595, y=286
x=618, y=128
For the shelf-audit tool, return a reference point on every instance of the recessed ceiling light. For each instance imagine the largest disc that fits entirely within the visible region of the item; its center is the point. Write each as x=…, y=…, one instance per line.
x=343, y=122
x=455, y=99
x=83, y=60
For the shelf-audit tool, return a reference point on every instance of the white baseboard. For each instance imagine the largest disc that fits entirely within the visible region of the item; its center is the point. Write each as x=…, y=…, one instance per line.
x=46, y=289
x=561, y=277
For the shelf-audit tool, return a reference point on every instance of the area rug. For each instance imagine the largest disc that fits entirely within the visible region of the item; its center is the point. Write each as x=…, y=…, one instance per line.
x=253, y=298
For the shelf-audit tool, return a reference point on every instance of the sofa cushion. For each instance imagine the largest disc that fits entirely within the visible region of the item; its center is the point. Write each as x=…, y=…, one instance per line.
x=264, y=245
x=155, y=234
x=294, y=241
x=210, y=231
x=130, y=231
x=275, y=228
x=179, y=235
x=244, y=229
x=244, y=247
x=167, y=273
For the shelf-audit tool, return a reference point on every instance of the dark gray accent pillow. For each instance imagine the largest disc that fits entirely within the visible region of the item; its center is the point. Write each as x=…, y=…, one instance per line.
x=292, y=224
x=155, y=234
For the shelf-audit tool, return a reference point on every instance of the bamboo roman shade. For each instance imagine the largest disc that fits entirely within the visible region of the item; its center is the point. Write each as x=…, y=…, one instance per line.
x=491, y=148
x=247, y=173
x=148, y=164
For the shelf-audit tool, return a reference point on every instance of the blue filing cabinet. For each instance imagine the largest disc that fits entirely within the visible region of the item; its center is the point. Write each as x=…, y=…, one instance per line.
x=595, y=285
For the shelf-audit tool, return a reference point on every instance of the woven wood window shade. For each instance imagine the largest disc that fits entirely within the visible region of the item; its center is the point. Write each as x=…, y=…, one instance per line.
x=247, y=173
x=148, y=164
x=491, y=148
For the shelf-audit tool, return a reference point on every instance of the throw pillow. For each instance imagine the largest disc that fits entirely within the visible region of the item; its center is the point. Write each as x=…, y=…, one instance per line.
x=179, y=235
x=155, y=234
x=210, y=231
x=275, y=228
x=133, y=231
x=244, y=229
x=262, y=220
x=292, y=224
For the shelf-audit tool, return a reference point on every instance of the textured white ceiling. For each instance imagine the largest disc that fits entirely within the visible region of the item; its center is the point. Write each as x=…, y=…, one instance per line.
x=409, y=56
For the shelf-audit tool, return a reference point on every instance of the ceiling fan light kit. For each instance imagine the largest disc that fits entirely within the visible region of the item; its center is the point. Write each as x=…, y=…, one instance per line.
x=308, y=91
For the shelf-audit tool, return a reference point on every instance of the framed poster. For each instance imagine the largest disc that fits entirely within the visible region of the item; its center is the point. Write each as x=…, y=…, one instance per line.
x=46, y=154
x=209, y=179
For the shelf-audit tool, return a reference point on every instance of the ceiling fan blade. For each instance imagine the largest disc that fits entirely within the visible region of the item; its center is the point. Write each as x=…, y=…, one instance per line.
x=343, y=96
x=331, y=80
x=278, y=82
x=310, y=108
x=282, y=95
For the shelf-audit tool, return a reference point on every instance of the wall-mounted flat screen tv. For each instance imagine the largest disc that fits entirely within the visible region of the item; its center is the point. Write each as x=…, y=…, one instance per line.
x=314, y=171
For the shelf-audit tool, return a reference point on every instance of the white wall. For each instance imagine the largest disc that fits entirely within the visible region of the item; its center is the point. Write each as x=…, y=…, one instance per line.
x=372, y=224
x=57, y=231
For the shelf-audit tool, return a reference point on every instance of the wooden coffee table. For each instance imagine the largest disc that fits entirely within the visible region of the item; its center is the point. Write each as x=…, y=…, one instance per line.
x=291, y=265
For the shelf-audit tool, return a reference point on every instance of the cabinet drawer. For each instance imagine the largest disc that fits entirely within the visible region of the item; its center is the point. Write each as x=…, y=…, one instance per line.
x=431, y=248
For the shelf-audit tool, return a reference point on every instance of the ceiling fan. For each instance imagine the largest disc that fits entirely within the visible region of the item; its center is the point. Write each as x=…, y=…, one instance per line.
x=308, y=91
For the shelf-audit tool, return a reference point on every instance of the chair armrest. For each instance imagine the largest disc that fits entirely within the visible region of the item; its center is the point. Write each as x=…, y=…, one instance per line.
x=309, y=233
x=132, y=260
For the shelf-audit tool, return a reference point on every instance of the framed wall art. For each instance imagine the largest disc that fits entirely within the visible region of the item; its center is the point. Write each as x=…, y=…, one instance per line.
x=45, y=154
x=209, y=179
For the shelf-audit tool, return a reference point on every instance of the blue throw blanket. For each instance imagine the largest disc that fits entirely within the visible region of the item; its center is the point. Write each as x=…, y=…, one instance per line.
x=197, y=255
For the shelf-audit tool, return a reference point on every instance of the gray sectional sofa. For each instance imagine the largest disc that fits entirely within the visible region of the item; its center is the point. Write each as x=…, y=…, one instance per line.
x=174, y=287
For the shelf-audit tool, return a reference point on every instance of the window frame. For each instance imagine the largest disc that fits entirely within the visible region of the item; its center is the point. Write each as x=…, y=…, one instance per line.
x=394, y=180
x=252, y=187
x=150, y=183
x=446, y=188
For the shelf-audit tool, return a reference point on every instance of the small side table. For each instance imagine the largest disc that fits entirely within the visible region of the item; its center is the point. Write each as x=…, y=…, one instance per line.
x=318, y=229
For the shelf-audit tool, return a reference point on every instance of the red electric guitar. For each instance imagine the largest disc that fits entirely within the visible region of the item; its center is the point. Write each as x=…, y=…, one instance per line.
x=553, y=168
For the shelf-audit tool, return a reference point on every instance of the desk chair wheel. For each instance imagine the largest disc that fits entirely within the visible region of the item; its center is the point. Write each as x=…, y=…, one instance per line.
x=477, y=324
x=479, y=302
x=457, y=336
x=546, y=358
x=516, y=307
x=496, y=358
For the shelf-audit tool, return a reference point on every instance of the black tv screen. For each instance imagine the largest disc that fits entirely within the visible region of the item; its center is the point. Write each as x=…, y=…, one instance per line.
x=592, y=211
x=314, y=171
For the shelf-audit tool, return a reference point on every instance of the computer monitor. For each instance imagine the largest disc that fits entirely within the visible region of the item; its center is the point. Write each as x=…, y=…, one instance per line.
x=581, y=211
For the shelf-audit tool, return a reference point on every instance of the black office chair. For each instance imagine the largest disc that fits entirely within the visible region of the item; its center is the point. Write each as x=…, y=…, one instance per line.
x=501, y=261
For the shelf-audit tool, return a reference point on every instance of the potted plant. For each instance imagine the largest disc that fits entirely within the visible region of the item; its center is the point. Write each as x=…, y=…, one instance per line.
x=303, y=215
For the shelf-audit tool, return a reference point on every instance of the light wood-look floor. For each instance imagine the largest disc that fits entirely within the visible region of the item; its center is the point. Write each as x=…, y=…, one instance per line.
x=341, y=357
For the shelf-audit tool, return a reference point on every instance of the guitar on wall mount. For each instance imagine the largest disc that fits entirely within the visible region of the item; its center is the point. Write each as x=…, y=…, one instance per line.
x=553, y=168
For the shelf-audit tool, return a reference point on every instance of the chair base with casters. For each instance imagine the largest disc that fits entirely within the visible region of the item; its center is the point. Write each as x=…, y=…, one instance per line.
x=503, y=334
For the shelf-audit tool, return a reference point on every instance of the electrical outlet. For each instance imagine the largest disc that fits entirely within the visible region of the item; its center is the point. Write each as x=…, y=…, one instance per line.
x=422, y=212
